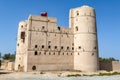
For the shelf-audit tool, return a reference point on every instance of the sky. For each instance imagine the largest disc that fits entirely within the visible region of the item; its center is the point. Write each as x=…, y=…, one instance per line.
x=107, y=15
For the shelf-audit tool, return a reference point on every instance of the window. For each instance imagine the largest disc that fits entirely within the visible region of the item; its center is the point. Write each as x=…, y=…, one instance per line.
x=22, y=35
x=34, y=68
x=44, y=53
x=72, y=44
x=49, y=47
x=55, y=47
x=78, y=53
x=71, y=53
x=67, y=53
x=42, y=46
x=72, y=48
x=76, y=28
x=35, y=52
x=35, y=46
x=79, y=47
x=63, y=53
x=54, y=53
x=39, y=53
x=92, y=54
x=58, y=28
x=67, y=48
x=61, y=47
x=18, y=44
x=21, y=26
x=49, y=53
x=95, y=47
x=77, y=13
x=43, y=27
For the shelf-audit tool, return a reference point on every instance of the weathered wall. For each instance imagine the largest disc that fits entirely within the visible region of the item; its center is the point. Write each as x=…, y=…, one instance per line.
x=83, y=23
x=49, y=46
x=110, y=66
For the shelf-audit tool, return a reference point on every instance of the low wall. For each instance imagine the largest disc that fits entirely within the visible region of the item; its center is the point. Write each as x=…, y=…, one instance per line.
x=110, y=66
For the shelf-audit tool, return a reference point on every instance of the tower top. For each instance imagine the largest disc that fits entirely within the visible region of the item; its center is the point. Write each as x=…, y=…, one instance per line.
x=86, y=6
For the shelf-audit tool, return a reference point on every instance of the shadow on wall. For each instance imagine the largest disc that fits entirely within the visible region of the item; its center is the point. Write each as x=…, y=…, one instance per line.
x=110, y=65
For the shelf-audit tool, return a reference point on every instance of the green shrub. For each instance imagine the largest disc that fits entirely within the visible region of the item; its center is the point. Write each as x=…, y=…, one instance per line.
x=73, y=75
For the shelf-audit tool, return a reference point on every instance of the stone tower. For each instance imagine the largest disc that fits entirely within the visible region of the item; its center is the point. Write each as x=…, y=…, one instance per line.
x=83, y=23
x=21, y=47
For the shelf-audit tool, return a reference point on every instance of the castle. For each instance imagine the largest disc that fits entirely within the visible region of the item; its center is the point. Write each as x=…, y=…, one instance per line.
x=43, y=45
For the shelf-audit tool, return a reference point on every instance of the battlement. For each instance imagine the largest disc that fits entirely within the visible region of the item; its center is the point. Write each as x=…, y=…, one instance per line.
x=82, y=11
x=42, y=18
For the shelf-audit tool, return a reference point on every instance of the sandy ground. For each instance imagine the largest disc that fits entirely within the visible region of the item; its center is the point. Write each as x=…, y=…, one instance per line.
x=54, y=75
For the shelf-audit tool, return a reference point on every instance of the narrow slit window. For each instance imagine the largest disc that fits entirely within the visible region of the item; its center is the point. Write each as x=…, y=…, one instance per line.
x=49, y=47
x=76, y=28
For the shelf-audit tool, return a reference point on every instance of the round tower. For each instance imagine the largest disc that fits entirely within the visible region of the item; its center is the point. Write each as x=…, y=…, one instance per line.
x=83, y=23
x=21, y=46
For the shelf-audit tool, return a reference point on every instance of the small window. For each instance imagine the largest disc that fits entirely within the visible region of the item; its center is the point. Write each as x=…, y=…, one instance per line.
x=77, y=13
x=54, y=53
x=34, y=68
x=44, y=53
x=49, y=47
x=76, y=28
x=78, y=54
x=63, y=53
x=21, y=26
x=43, y=27
x=55, y=47
x=22, y=35
x=58, y=28
x=49, y=53
x=72, y=48
x=95, y=48
x=61, y=47
x=67, y=53
x=35, y=46
x=35, y=52
x=39, y=53
x=67, y=48
x=92, y=54
x=79, y=47
x=71, y=53
x=72, y=44
x=42, y=46
x=49, y=42
x=18, y=44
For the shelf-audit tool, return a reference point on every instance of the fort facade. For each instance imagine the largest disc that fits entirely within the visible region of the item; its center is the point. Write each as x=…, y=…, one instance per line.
x=43, y=45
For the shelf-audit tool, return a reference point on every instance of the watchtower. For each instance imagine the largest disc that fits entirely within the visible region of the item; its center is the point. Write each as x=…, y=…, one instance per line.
x=83, y=23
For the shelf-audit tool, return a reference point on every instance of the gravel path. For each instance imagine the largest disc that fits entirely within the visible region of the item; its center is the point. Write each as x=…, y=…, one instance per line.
x=34, y=76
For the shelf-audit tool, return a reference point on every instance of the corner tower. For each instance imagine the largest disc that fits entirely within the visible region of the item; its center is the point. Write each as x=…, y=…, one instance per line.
x=83, y=23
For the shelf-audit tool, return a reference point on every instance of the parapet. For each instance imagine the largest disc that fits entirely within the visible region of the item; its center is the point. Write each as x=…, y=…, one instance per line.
x=42, y=18
x=82, y=11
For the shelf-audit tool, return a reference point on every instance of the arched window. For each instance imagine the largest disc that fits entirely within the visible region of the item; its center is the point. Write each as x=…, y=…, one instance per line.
x=76, y=28
x=34, y=68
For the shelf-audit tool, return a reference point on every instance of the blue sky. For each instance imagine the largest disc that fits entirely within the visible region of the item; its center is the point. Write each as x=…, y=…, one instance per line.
x=107, y=11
